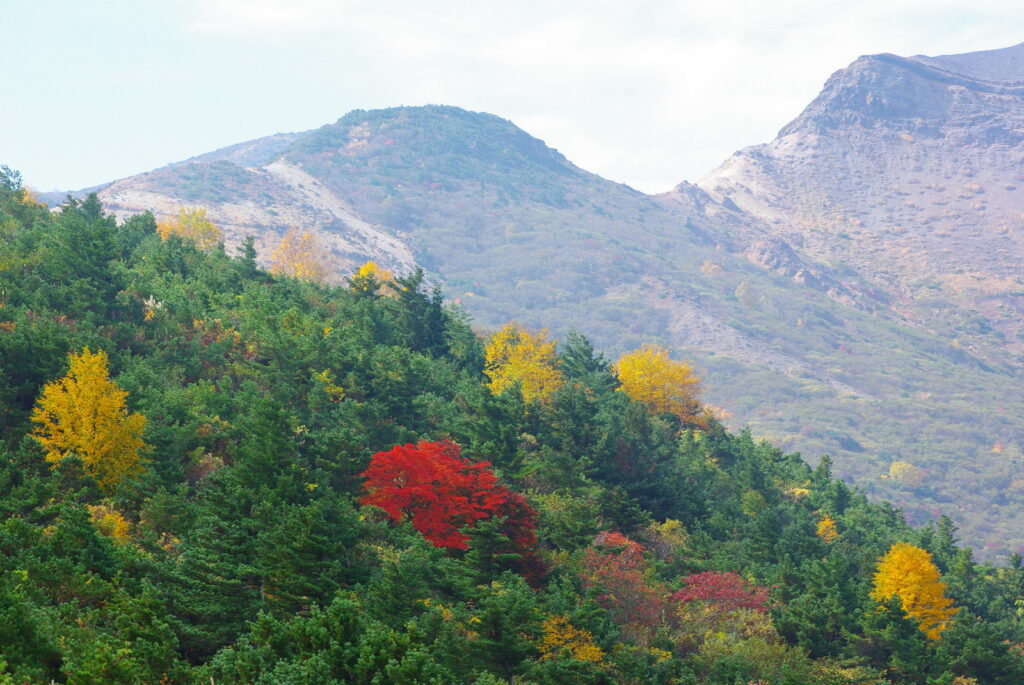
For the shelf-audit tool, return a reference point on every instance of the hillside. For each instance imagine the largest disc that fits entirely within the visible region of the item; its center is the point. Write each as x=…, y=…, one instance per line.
x=513, y=231
x=212, y=474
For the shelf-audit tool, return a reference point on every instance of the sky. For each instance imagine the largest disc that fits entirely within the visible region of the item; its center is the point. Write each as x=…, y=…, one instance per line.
x=643, y=92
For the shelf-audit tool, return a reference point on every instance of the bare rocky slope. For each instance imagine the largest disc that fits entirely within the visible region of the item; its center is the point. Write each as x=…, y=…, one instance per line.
x=815, y=324
x=909, y=172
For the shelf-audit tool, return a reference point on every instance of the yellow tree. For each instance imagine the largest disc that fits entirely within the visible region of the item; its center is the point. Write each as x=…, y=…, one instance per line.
x=908, y=573
x=560, y=635
x=827, y=529
x=300, y=256
x=193, y=225
x=516, y=355
x=369, y=277
x=667, y=387
x=84, y=414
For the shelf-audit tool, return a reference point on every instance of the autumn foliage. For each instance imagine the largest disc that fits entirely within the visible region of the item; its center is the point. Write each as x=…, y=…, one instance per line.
x=442, y=494
x=84, y=414
x=616, y=566
x=193, y=225
x=561, y=636
x=726, y=591
x=517, y=355
x=300, y=256
x=369, y=277
x=908, y=573
x=647, y=375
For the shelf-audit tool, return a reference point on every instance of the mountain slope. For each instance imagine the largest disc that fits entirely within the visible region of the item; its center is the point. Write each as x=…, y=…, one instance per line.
x=806, y=350
x=911, y=172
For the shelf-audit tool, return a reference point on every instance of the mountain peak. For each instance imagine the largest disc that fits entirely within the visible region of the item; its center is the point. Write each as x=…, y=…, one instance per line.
x=1004, y=65
x=447, y=140
x=918, y=93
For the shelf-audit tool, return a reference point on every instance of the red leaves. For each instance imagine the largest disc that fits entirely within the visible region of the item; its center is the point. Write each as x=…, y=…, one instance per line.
x=728, y=591
x=616, y=565
x=441, y=493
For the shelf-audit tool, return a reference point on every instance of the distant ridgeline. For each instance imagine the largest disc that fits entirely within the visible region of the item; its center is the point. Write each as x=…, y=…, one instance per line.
x=214, y=473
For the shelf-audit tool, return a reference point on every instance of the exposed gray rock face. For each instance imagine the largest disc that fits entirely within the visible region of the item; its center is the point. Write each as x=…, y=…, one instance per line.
x=911, y=172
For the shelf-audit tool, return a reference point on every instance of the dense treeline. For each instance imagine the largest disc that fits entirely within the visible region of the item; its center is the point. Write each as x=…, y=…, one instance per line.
x=331, y=489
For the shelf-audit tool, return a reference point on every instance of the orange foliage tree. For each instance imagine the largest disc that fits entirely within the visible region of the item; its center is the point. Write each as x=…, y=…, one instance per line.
x=647, y=375
x=84, y=414
x=516, y=355
x=193, y=225
x=300, y=256
x=908, y=573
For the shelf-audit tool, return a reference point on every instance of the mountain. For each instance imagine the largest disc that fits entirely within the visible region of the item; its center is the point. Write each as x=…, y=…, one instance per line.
x=909, y=172
x=797, y=339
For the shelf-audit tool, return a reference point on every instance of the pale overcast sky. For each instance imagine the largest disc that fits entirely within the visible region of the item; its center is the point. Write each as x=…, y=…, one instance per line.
x=644, y=92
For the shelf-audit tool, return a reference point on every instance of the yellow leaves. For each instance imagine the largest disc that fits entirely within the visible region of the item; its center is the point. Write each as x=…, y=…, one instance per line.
x=560, y=635
x=827, y=530
x=369, y=278
x=371, y=270
x=325, y=379
x=84, y=414
x=193, y=225
x=648, y=375
x=908, y=573
x=300, y=256
x=30, y=199
x=516, y=355
x=906, y=473
x=109, y=522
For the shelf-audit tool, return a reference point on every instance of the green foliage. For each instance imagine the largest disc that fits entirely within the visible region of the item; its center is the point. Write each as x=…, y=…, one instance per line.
x=249, y=560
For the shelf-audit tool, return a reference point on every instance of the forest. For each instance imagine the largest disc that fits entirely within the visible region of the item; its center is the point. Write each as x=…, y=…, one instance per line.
x=216, y=473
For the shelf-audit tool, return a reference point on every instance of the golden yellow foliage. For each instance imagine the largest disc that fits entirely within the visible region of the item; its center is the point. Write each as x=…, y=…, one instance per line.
x=560, y=635
x=300, y=256
x=516, y=355
x=907, y=473
x=109, y=522
x=369, y=276
x=84, y=414
x=30, y=199
x=827, y=530
x=908, y=573
x=325, y=379
x=648, y=375
x=193, y=225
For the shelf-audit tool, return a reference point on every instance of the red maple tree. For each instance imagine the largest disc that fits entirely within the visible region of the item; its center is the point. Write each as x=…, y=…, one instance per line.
x=727, y=591
x=616, y=566
x=443, y=494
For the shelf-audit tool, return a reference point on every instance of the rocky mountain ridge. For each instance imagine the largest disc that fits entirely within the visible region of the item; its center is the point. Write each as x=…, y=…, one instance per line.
x=910, y=171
